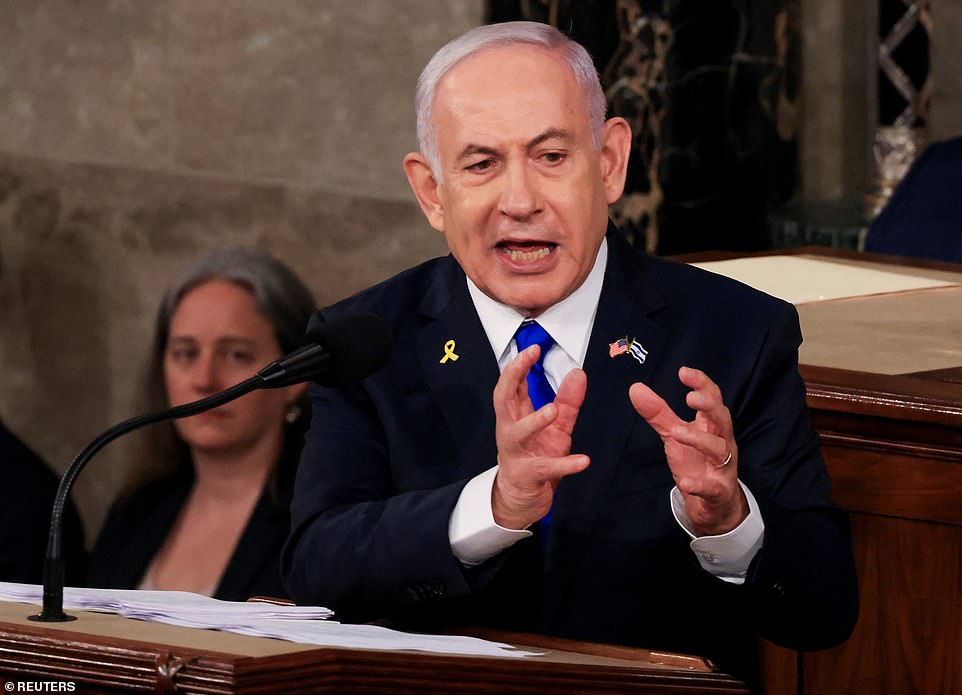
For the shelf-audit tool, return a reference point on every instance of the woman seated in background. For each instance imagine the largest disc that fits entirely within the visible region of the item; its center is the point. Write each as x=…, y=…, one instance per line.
x=206, y=509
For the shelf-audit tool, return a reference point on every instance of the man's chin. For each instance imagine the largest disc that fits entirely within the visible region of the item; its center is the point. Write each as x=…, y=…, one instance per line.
x=531, y=303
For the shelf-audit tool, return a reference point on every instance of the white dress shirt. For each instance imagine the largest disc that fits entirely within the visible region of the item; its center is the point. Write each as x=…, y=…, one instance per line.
x=472, y=530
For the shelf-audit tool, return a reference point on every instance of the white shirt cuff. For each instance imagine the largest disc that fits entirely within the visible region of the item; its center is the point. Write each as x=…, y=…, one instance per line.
x=728, y=555
x=474, y=535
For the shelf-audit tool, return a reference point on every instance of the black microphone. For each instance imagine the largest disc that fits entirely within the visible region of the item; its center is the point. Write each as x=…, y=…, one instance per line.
x=337, y=352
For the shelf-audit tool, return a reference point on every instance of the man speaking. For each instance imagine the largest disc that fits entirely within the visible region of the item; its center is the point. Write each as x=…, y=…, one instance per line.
x=571, y=438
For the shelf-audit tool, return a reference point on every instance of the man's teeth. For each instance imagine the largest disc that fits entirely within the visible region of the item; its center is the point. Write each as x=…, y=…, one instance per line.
x=535, y=255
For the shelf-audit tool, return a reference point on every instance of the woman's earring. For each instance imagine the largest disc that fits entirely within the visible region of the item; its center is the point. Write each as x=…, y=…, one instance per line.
x=293, y=412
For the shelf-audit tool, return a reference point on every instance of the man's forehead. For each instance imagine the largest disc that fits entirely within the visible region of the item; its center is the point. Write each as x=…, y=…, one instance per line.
x=528, y=82
x=503, y=65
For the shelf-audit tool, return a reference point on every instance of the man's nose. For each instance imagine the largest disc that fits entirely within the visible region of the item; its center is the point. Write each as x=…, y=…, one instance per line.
x=521, y=195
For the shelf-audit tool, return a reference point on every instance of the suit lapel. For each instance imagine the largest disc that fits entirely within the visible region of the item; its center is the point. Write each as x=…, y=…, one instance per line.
x=462, y=387
x=607, y=416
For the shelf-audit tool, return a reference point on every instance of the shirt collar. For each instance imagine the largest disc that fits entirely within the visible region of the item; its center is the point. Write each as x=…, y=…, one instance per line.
x=569, y=321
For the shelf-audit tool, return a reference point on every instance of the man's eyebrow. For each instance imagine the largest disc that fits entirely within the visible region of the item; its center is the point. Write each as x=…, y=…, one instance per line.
x=471, y=149
x=549, y=134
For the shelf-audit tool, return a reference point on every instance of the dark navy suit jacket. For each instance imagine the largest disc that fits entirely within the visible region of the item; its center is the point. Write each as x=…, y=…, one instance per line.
x=386, y=459
x=924, y=217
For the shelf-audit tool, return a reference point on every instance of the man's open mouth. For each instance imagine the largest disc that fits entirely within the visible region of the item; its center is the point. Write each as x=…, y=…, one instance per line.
x=526, y=251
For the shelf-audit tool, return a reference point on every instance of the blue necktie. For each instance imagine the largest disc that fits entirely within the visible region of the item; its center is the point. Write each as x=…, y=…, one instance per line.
x=539, y=390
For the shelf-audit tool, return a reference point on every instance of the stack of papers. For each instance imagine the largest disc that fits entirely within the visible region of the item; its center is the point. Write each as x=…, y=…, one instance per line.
x=172, y=607
x=304, y=624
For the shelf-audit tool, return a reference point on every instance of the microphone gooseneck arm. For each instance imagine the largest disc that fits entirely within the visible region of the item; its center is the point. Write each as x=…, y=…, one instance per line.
x=53, y=567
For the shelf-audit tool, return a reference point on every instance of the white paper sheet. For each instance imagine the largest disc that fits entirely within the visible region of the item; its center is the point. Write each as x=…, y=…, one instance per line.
x=799, y=280
x=303, y=624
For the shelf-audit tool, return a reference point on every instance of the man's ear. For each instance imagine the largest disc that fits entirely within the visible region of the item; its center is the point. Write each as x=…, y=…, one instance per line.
x=615, y=148
x=425, y=188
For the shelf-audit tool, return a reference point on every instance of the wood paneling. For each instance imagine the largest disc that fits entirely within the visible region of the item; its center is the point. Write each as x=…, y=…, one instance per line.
x=909, y=633
x=893, y=449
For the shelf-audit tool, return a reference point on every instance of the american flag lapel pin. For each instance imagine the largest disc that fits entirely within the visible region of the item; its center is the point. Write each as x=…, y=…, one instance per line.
x=629, y=346
x=619, y=347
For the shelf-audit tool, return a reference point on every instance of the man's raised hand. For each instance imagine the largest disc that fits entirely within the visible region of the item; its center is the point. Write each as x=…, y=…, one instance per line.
x=702, y=454
x=534, y=447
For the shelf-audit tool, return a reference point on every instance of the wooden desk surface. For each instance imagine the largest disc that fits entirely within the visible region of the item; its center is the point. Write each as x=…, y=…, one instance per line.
x=900, y=333
x=893, y=355
x=917, y=330
x=110, y=651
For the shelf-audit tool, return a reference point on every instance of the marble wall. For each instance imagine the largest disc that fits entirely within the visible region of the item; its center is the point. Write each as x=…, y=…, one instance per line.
x=133, y=135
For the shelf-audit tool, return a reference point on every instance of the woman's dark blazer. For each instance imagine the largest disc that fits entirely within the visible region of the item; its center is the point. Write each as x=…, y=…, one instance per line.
x=138, y=525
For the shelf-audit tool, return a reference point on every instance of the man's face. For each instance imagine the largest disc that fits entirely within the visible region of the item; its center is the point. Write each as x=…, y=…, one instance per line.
x=524, y=198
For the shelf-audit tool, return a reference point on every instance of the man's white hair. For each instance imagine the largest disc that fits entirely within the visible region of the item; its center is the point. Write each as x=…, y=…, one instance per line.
x=505, y=34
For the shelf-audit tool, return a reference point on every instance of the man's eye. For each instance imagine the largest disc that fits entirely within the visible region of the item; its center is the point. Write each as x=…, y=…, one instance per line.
x=483, y=165
x=554, y=157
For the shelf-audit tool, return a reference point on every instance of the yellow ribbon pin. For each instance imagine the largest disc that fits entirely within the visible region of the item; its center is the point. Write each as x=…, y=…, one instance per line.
x=449, y=352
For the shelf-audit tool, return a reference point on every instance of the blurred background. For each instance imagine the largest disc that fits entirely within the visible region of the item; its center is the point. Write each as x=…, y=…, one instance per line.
x=134, y=135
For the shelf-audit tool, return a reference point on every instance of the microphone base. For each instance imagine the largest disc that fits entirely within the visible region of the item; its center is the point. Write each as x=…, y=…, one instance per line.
x=42, y=617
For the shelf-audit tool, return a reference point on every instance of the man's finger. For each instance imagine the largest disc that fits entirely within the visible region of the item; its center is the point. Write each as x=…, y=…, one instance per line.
x=558, y=468
x=711, y=446
x=699, y=381
x=531, y=425
x=514, y=376
x=571, y=394
x=653, y=409
x=706, y=398
x=705, y=401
